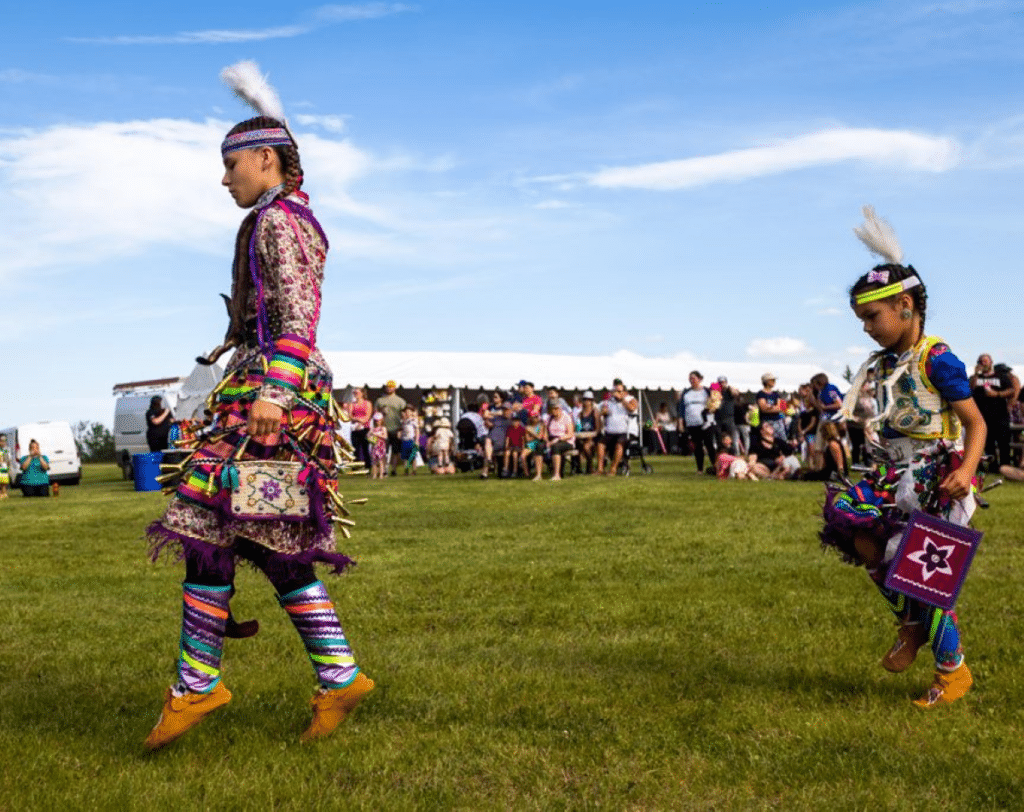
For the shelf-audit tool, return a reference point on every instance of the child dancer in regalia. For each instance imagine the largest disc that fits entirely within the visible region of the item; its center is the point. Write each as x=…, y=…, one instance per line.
x=274, y=403
x=931, y=441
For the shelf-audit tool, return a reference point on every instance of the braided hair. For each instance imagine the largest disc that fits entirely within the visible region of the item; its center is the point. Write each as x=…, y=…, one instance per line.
x=897, y=273
x=291, y=165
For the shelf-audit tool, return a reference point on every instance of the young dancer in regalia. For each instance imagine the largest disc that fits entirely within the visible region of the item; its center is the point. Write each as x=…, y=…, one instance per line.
x=274, y=403
x=931, y=441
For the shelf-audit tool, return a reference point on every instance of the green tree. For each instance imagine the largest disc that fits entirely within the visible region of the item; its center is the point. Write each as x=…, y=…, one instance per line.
x=95, y=442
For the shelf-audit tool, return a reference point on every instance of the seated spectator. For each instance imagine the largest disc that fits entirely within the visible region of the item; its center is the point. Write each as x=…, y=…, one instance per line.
x=730, y=464
x=771, y=457
x=588, y=426
x=500, y=423
x=534, y=446
x=615, y=413
x=515, y=445
x=560, y=434
x=861, y=434
x=530, y=402
x=833, y=452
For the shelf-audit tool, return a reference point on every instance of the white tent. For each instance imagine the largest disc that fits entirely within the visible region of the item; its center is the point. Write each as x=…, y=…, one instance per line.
x=486, y=370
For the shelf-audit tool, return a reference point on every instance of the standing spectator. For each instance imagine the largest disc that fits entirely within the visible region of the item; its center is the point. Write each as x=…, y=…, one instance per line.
x=497, y=432
x=35, y=468
x=830, y=399
x=807, y=424
x=158, y=424
x=378, y=440
x=615, y=412
x=665, y=423
x=588, y=426
x=5, y=466
x=390, y=406
x=742, y=412
x=443, y=438
x=859, y=428
x=360, y=410
x=410, y=438
x=993, y=390
x=531, y=403
x=768, y=405
x=725, y=417
x=693, y=414
x=561, y=435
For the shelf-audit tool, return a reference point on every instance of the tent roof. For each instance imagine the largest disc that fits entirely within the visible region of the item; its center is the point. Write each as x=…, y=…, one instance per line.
x=486, y=370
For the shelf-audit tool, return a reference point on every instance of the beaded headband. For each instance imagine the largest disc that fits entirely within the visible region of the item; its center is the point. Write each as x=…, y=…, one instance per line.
x=268, y=137
x=887, y=291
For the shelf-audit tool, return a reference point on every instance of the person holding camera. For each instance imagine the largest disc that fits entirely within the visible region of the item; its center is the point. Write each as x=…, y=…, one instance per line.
x=35, y=472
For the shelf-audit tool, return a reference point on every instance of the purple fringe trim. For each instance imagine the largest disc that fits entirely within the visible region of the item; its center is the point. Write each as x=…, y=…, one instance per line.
x=220, y=560
x=840, y=528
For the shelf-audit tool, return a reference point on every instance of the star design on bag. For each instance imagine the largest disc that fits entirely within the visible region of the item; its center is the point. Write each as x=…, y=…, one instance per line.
x=270, y=490
x=933, y=559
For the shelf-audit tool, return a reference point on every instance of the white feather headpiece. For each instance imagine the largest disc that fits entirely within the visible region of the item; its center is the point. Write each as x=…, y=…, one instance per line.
x=252, y=87
x=879, y=237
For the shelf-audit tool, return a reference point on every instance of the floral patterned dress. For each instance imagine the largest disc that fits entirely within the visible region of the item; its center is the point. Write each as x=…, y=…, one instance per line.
x=278, y=361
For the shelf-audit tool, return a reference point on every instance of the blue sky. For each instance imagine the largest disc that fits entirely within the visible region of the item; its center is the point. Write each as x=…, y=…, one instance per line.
x=668, y=178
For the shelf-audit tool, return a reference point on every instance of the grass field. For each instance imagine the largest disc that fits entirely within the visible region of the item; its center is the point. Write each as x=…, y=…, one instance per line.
x=651, y=642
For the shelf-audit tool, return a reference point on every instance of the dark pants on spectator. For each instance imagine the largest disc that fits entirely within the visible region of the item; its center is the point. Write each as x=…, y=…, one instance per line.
x=360, y=444
x=35, y=490
x=701, y=438
x=857, y=450
x=997, y=440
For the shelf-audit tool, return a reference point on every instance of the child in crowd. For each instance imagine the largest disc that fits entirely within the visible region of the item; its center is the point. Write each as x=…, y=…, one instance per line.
x=515, y=443
x=378, y=441
x=410, y=432
x=925, y=461
x=443, y=438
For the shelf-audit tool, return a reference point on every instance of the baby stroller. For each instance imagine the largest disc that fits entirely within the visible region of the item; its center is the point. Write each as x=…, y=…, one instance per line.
x=468, y=456
x=634, y=449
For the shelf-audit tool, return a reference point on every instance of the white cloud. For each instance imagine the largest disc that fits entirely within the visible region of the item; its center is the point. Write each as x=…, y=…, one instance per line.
x=552, y=204
x=893, y=148
x=89, y=193
x=319, y=18
x=779, y=347
x=858, y=352
x=333, y=124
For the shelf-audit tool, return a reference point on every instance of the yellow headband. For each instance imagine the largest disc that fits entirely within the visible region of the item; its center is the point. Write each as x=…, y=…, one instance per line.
x=887, y=291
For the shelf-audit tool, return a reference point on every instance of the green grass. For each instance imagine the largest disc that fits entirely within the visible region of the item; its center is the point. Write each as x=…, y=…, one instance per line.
x=652, y=642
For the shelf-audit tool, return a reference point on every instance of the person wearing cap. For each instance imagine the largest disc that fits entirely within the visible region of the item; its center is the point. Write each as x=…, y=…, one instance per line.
x=560, y=434
x=588, y=426
x=391, y=405
x=768, y=405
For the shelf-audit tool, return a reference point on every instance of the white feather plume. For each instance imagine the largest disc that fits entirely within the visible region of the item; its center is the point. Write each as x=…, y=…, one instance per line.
x=879, y=237
x=252, y=87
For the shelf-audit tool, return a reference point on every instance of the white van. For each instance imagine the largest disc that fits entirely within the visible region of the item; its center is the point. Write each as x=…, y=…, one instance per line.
x=185, y=397
x=56, y=443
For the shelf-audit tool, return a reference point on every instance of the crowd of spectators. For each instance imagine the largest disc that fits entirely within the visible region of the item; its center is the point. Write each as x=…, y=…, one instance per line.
x=765, y=434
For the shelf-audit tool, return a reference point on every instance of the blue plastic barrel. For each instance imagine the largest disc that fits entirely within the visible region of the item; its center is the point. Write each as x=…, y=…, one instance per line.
x=146, y=468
